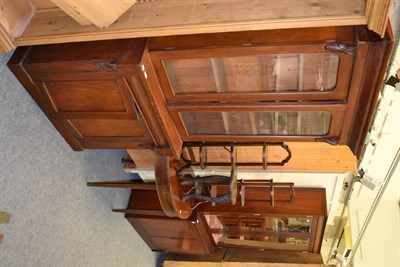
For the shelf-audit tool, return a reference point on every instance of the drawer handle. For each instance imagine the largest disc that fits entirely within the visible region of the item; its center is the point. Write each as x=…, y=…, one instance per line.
x=348, y=49
x=331, y=140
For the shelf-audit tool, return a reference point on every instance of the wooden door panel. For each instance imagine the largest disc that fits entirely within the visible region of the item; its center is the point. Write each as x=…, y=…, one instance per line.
x=86, y=96
x=178, y=245
x=61, y=68
x=97, y=108
x=89, y=91
x=73, y=95
x=89, y=128
x=168, y=228
x=170, y=235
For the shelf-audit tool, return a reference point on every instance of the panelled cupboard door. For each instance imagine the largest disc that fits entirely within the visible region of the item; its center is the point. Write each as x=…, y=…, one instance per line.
x=95, y=107
x=301, y=72
x=166, y=235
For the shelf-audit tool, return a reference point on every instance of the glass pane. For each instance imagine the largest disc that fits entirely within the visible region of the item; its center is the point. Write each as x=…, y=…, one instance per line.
x=203, y=123
x=251, y=74
x=257, y=122
x=291, y=224
x=261, y=231
x=260, y=223
x=190, y=75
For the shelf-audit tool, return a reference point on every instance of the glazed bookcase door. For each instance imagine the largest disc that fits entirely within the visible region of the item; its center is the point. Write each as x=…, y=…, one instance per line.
x=258, y=122
x=265, y=73
x=279, y=232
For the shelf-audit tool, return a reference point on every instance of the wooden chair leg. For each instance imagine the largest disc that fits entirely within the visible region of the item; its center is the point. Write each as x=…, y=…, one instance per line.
x=133, y=184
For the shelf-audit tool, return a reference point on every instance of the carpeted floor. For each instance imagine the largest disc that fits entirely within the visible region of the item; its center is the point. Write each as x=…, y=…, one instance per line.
x=56, y=220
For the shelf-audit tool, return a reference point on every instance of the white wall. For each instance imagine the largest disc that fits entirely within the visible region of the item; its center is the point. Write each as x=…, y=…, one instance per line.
x=380, y=245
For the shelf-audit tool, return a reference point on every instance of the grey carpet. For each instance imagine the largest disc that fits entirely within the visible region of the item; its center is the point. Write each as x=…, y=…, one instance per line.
x=57, y=220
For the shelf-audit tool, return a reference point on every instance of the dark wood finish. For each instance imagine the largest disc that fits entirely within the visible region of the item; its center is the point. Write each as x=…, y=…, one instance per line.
x=320, y=228
x=363, y=57
x=159, y=106
x=274, y=37
x=303, y=204
x=193, y=235
x=337, y=111
x=256, y=212
x=338, y=93
x=216, y=256
x=81, y=90
x=237, y=255
x=92, y=92
x=144, y=202
x=378, y=55
x=79, y=104
x=116, y=93
x=15, y=65
x=169, y=189
x=171, y=236
x=133, y=184
x=164, y=233
x=252, y=255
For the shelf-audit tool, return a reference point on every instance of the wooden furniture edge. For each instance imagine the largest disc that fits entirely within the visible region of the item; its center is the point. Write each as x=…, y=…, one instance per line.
x=158, y=13
x=167, y=185
x=375, y=15
x=16, y=66
x=224, y=257
x=195, y=29
x=14, y=18
x=6, y=40
x=133, y=184
x=378, y=54
x=172, y=263
x=157, y=100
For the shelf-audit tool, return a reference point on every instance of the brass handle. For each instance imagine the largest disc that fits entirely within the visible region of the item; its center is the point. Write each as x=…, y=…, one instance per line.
x=264, y=157
x=331, y=140
x=203, y=156
x=348, y=49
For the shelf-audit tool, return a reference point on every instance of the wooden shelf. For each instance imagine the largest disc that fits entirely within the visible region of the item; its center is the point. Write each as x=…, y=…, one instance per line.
x=174, y=17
